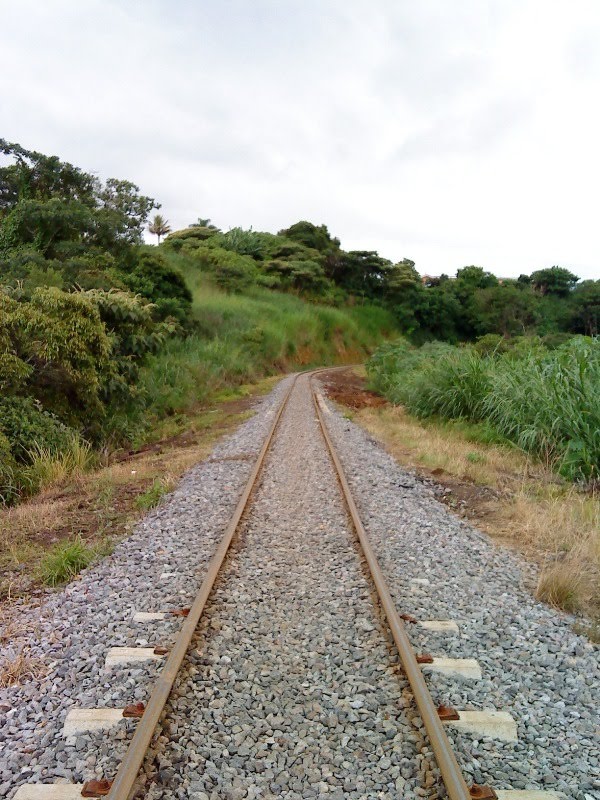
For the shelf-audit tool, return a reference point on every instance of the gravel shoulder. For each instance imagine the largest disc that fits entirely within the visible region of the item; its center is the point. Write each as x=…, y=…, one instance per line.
x=534, y=666
x=68, y=635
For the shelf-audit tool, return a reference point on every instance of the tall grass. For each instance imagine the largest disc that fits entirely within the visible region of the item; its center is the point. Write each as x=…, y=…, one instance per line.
x=545, y=402
x=48, y=467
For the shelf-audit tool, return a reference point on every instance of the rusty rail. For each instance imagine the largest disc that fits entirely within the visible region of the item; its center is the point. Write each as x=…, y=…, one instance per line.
x=451, y=773
x=123, y=786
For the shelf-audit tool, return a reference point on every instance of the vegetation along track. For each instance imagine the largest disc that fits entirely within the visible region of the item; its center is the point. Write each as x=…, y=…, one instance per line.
x=292, y=644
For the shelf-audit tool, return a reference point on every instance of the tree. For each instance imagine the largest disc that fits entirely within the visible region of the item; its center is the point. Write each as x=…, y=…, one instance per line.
x=586, y=309
x=56, y=209
x=438, y=314
x=159, y=226
x=318, y=238
x=154, y=279
x=362, y=272
x=506, y=310
x=402, y=279
x=468, y=281
x=35, y=176
x=315, y=236
x=554, y=280
x=471, y=278
x=203, y=222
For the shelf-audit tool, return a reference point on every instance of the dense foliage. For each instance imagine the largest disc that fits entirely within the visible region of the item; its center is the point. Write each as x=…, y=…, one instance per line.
x=540, y=398
x=306, y=259
x=101, y=336
x=83, y=303
x=99, y=339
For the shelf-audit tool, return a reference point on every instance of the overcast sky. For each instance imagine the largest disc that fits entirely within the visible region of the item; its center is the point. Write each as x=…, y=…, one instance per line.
x=452, y=133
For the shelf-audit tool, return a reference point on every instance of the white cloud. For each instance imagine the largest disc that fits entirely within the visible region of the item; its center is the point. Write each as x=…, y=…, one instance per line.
x=450, y=133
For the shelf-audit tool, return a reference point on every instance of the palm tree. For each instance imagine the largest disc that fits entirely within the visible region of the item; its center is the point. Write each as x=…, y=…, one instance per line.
x=159, y=226
x=203, y=222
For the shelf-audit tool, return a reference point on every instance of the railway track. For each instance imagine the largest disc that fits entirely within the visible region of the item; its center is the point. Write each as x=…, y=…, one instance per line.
x=124, y=783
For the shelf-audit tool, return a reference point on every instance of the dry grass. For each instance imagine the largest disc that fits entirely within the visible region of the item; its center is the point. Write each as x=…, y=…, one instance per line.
x=99, y=507
x=559, y=585
x=20, y=669
x=442, y=448
x=528, y=507
x=16, y=664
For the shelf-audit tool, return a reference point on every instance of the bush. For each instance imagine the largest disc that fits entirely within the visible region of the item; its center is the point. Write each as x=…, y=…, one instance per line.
x=9, y=482
x=306, y=276
x=198, y=233
x=245, y=243
x=232, y=272
x=56, y=350
x=164, y=286
x=25, y=425
x=491, y=344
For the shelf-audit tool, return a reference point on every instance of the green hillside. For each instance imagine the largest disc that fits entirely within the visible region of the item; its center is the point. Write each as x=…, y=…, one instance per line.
x=106, y=342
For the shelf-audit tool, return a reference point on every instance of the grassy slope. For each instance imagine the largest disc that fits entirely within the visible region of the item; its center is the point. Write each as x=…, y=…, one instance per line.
x=242, y=338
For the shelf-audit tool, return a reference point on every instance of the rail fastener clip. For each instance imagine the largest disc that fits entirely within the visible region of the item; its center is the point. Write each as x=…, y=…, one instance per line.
x=96, y=788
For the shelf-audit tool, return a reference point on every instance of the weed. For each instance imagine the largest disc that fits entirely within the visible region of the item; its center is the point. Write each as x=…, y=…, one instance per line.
x=19, y=669
x=49, y=468
x=559, y=585
x=65, y=560
x=476, y=458
x=152, y=496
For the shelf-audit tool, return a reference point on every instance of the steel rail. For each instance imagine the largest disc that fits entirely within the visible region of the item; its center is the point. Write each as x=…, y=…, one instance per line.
x=452, y=776
x=123, y=785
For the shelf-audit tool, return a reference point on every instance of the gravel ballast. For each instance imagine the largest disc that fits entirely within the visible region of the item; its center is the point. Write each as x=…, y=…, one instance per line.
x=73, y=630
x=534, y=666
x=292, y=688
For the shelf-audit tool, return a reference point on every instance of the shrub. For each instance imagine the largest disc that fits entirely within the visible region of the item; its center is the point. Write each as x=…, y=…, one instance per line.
x=491, y=344
x=156, y=280
x=9, y=482
x=55, y=349
x=245, y=243
x=25, y=424
x=197, y=232
x=134, y=333
x=232, y=272
x=307, y=276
